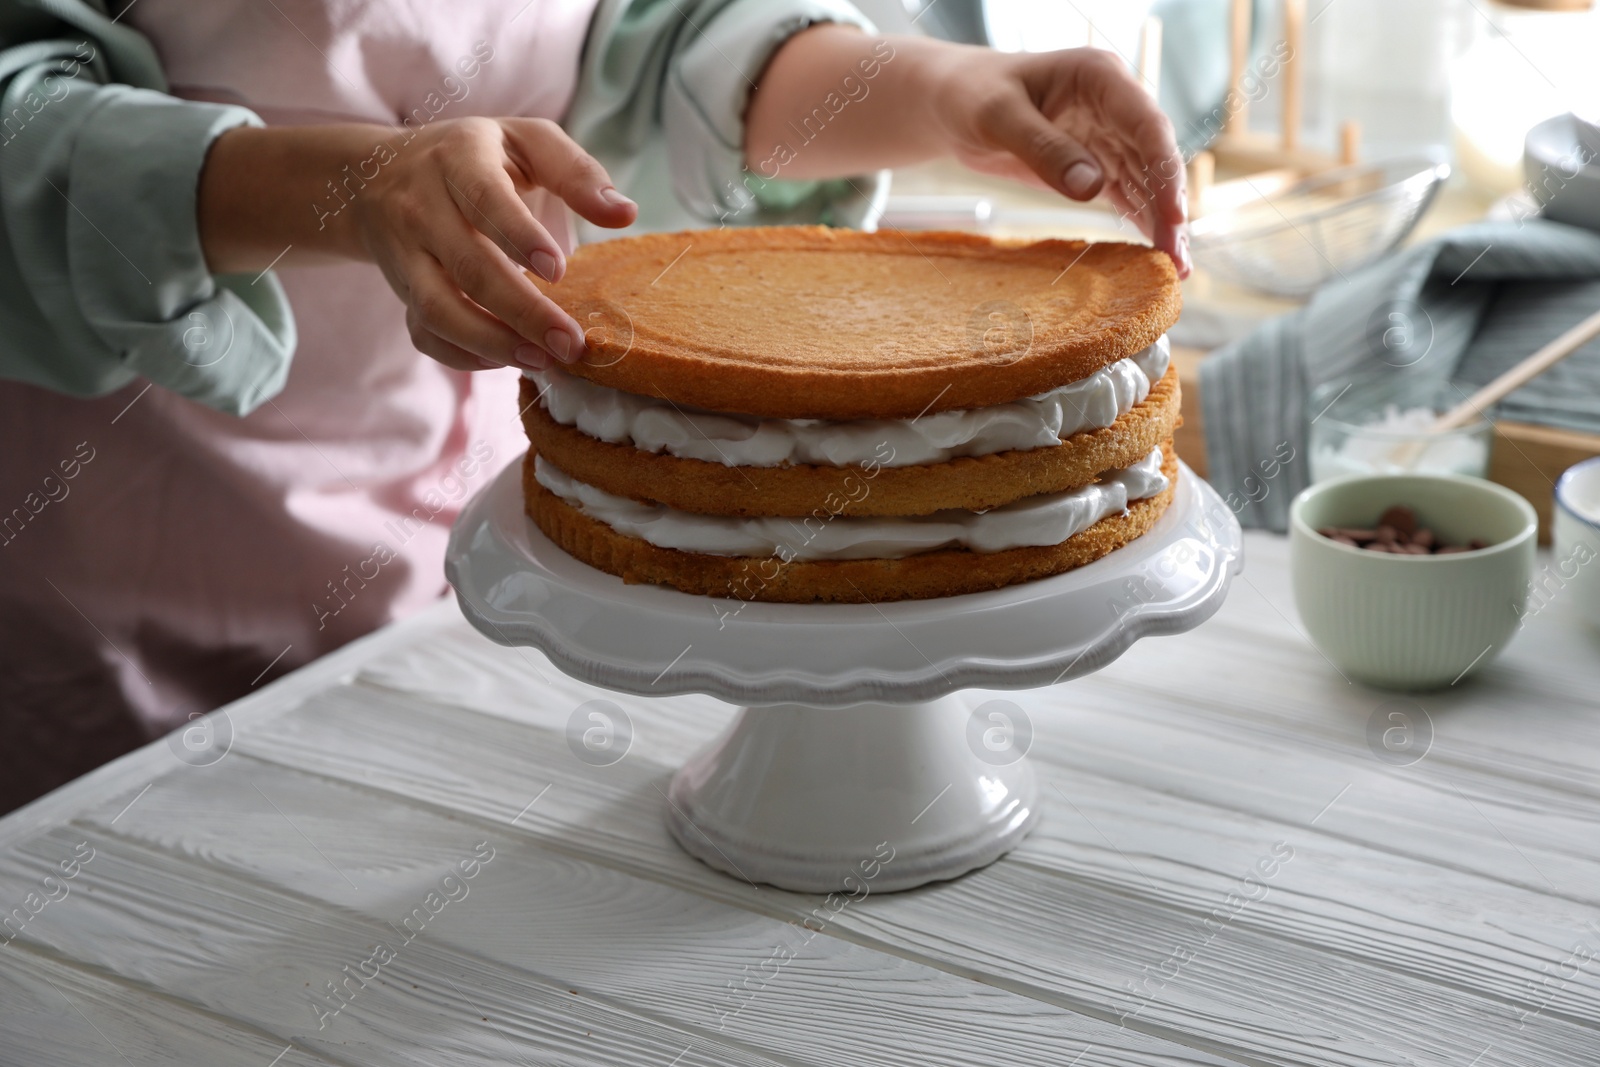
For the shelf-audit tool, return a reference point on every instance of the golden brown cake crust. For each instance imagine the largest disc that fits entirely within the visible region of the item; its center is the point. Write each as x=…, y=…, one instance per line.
x=776, y=321
x=971, y=483
x=947, y=572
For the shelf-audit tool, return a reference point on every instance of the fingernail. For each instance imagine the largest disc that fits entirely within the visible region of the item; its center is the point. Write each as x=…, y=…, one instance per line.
x=1081, y=179
x=531, y=356
x=1185, y=264
x=610, y=195
x=560, y=342
x=544, y=265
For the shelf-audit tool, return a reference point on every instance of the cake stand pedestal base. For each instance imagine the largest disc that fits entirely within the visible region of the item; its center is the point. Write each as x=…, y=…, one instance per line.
x=865, y=798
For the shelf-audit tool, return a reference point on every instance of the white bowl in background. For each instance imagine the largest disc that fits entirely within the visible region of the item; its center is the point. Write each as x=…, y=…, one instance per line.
x=1560, y=163
x=1575, y=570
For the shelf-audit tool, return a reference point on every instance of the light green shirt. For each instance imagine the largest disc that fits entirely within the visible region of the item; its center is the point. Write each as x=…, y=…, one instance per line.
x=95, y=158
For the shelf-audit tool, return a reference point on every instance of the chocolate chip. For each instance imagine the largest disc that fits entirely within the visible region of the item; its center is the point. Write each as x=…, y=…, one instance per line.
x=1397, y=534
x=1401, y=518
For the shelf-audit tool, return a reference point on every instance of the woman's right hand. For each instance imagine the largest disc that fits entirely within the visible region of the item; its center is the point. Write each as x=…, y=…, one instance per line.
x=447, y=225
x=444, y=218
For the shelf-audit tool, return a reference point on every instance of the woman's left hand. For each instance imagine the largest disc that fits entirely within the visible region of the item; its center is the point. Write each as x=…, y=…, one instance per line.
x=1076, y=121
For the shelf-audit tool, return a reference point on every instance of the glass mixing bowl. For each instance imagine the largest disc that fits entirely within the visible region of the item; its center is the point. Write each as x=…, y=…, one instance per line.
x=1381, y=426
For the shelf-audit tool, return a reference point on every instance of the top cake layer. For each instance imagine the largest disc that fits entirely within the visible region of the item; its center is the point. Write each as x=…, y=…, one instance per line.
x=813, y=323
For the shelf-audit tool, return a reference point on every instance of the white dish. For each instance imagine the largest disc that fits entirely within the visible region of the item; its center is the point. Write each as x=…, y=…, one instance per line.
x=1575, y=570
x=1561, y=171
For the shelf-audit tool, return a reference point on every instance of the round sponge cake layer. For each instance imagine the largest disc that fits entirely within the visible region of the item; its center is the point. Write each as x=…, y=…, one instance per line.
x=813, y=323
x=970, y=483
x=930, y=574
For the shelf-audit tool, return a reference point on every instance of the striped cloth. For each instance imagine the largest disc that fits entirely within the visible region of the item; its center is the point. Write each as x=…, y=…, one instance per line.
x=1460, y=308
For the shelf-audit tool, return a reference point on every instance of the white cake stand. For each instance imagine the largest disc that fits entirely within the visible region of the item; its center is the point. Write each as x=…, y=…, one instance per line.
x=853, y=766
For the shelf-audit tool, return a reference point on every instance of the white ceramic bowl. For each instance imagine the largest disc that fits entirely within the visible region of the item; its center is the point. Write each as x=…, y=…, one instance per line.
x=1412, y=622
x=1558, y=163
x=1575, y=570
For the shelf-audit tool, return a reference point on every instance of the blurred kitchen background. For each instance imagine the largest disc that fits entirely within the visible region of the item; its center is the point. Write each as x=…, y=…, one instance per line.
x=1473, y=75
x=1384, y=146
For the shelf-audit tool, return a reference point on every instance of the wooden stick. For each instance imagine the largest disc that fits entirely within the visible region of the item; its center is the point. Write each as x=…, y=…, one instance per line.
x=1238, y=56
x=1294, y=24
x=1471, y=409
x=1202, y=175
x=1150, y=56
x=1349, y=143
x=1237, y=192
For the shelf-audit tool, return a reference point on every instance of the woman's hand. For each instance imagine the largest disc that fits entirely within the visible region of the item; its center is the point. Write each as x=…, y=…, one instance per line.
x=449, y=229
x=1076, y=121
x=442, y=214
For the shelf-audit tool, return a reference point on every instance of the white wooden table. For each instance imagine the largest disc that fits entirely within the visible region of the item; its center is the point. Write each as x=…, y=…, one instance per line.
x=1443, y=912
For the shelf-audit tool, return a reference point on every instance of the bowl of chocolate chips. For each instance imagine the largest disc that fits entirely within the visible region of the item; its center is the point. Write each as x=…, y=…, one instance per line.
x=1411, y=581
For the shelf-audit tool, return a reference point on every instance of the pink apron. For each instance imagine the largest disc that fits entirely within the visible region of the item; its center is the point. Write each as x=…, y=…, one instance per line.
x=194, y=555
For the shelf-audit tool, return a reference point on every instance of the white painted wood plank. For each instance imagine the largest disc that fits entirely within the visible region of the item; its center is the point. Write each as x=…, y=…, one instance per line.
x=651, y=951
x=1448, y=807
x=1075, y=940
x=234, y=947
x=1341, y=900
x=57, y=1014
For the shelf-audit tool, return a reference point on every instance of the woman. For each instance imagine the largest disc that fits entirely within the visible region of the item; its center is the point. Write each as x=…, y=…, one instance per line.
x=255, y=256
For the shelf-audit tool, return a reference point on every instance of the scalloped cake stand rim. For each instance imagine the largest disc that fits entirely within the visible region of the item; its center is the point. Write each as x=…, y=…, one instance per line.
x=518, y=588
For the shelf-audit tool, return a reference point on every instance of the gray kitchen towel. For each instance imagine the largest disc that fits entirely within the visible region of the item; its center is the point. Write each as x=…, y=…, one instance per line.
x=1460, y=308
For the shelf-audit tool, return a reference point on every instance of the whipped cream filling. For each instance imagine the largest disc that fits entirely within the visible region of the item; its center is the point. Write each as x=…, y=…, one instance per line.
x=656, y=425
x=1047, y=519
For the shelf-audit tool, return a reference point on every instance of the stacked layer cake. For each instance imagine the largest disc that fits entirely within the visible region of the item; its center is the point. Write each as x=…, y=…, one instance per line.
x=799, y=414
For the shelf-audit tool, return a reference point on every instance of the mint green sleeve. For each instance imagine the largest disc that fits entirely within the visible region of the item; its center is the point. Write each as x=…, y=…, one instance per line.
x=661, y=103
x=102, y=278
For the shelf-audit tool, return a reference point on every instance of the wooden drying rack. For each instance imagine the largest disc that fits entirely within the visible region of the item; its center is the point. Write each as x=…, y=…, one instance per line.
x=1257, y=164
